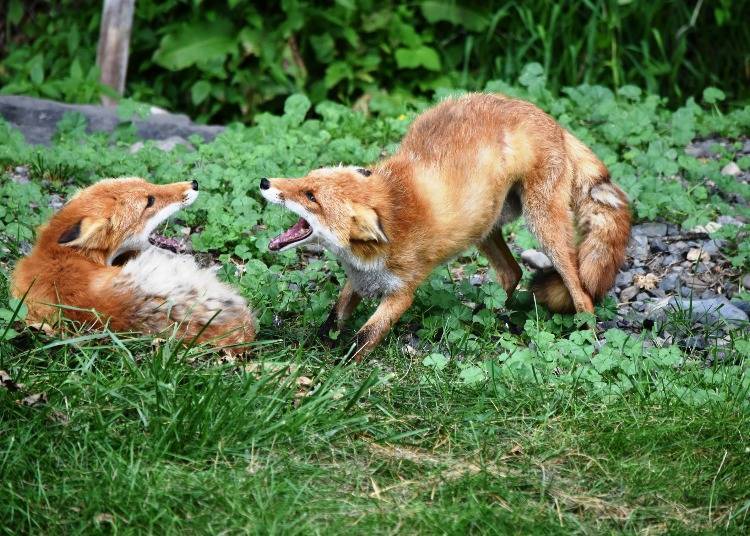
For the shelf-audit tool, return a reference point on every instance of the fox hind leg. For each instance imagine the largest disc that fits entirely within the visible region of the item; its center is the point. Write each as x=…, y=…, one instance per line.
x=498, y=253
x=550, y=219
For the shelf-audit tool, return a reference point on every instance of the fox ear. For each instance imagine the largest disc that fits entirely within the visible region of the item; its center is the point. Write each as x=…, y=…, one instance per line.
x=82, y=232
x=366, y=225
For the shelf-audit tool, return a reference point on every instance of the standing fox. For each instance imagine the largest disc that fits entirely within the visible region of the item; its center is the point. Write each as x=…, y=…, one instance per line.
x=465, y=167
x=94, y=258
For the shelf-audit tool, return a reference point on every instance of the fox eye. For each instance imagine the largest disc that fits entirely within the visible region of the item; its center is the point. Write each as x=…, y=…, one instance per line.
x=310, y=196
x=150, y=201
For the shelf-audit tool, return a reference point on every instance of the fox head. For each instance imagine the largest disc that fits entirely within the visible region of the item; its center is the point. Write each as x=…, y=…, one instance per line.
x=338, y=207
x=116, y=216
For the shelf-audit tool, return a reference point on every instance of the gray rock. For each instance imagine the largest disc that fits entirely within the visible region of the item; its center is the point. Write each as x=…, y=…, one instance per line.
x=712, y=247
x=624, y=279
x=477, y=279
x=536, y=259
x=669, y=260
x=166, y=145
x=701, y=311
x=642, y=296
x=702, y=149
x=692, y=343
x=728, y=220
x=650, y=229
x=669, y=283
x=56, y=202
x=678, y=248
x=37, y=120
x=746, y=281
x=658, y=292
x=659, y=246
x=742, y=305
x=731, y=169
x=629, y=293
x=746, y=147
x=638, y=247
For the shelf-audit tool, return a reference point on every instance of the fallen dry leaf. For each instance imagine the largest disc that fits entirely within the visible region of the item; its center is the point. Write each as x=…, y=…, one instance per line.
x=697, y=253
x=7, y=382
x=646, y=281
x=35, y=400
x=104, y=518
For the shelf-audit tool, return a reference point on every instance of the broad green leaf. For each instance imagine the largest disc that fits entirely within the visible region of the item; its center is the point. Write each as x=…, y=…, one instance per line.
x=200, y=91
x=435, y=361
x=295, y=109
x=36, y=69
x=423, y=56
x=712, y=95
x=471, y=374
x=196, y=43
x=436, y=11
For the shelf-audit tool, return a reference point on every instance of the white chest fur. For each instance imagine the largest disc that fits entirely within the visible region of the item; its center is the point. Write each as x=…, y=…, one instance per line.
x=372, y=281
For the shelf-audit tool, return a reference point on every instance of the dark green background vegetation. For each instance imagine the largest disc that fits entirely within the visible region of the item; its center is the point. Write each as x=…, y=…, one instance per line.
x=223, y=60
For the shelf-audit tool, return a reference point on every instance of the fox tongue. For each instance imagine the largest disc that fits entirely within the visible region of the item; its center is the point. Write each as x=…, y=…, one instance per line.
x=297, y=232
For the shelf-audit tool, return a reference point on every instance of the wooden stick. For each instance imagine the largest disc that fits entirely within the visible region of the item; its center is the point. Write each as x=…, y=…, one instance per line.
x=114, y=45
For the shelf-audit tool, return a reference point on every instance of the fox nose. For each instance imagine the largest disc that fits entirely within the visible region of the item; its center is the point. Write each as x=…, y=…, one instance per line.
x=194, y=184
x=264, y=184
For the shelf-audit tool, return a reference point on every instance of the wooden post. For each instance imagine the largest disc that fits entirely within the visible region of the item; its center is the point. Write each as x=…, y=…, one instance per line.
x=114, y=45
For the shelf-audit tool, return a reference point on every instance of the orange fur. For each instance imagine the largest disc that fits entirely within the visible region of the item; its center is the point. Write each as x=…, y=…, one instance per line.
x=464, y=168
x=71, y=265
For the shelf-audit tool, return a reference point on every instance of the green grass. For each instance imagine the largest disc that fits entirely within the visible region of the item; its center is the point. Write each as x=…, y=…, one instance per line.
x=164, y=443
x=475, y=415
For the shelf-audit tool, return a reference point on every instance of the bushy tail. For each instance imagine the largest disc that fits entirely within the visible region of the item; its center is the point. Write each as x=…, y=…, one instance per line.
x=603, y=222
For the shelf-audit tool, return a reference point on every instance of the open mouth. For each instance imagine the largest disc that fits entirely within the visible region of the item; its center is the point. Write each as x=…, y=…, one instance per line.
x=299, y=231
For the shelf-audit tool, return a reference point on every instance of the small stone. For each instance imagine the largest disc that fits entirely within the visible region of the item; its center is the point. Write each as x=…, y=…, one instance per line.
x=650, y=229
x=658, y=292
x=56, y=202
x=669, y=260
x=731, y=169
x=638, y=247
x=477, y=279
x=708, y=228
x=624, y=279
x=679, y=247
x=698, y=254
x=692, y=343
x=137, y=146
x=702, y=149
x=729, y=220
x=669, y=283
x=746, y=147
x=714, y=309
x=659, y=246
x=746, y=281
x=171, y=142
x=642, y=297
x=629, y=293
x=536, y=259
x=708, y=295
x=742, y=305
x=713, y=247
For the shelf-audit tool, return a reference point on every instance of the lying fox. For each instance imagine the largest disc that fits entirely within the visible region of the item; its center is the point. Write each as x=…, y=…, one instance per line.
x=94, y=258
x=465, y=167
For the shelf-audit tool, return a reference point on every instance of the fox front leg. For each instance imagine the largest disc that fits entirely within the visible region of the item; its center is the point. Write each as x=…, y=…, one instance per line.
x=342, y=310
x=388, y=312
